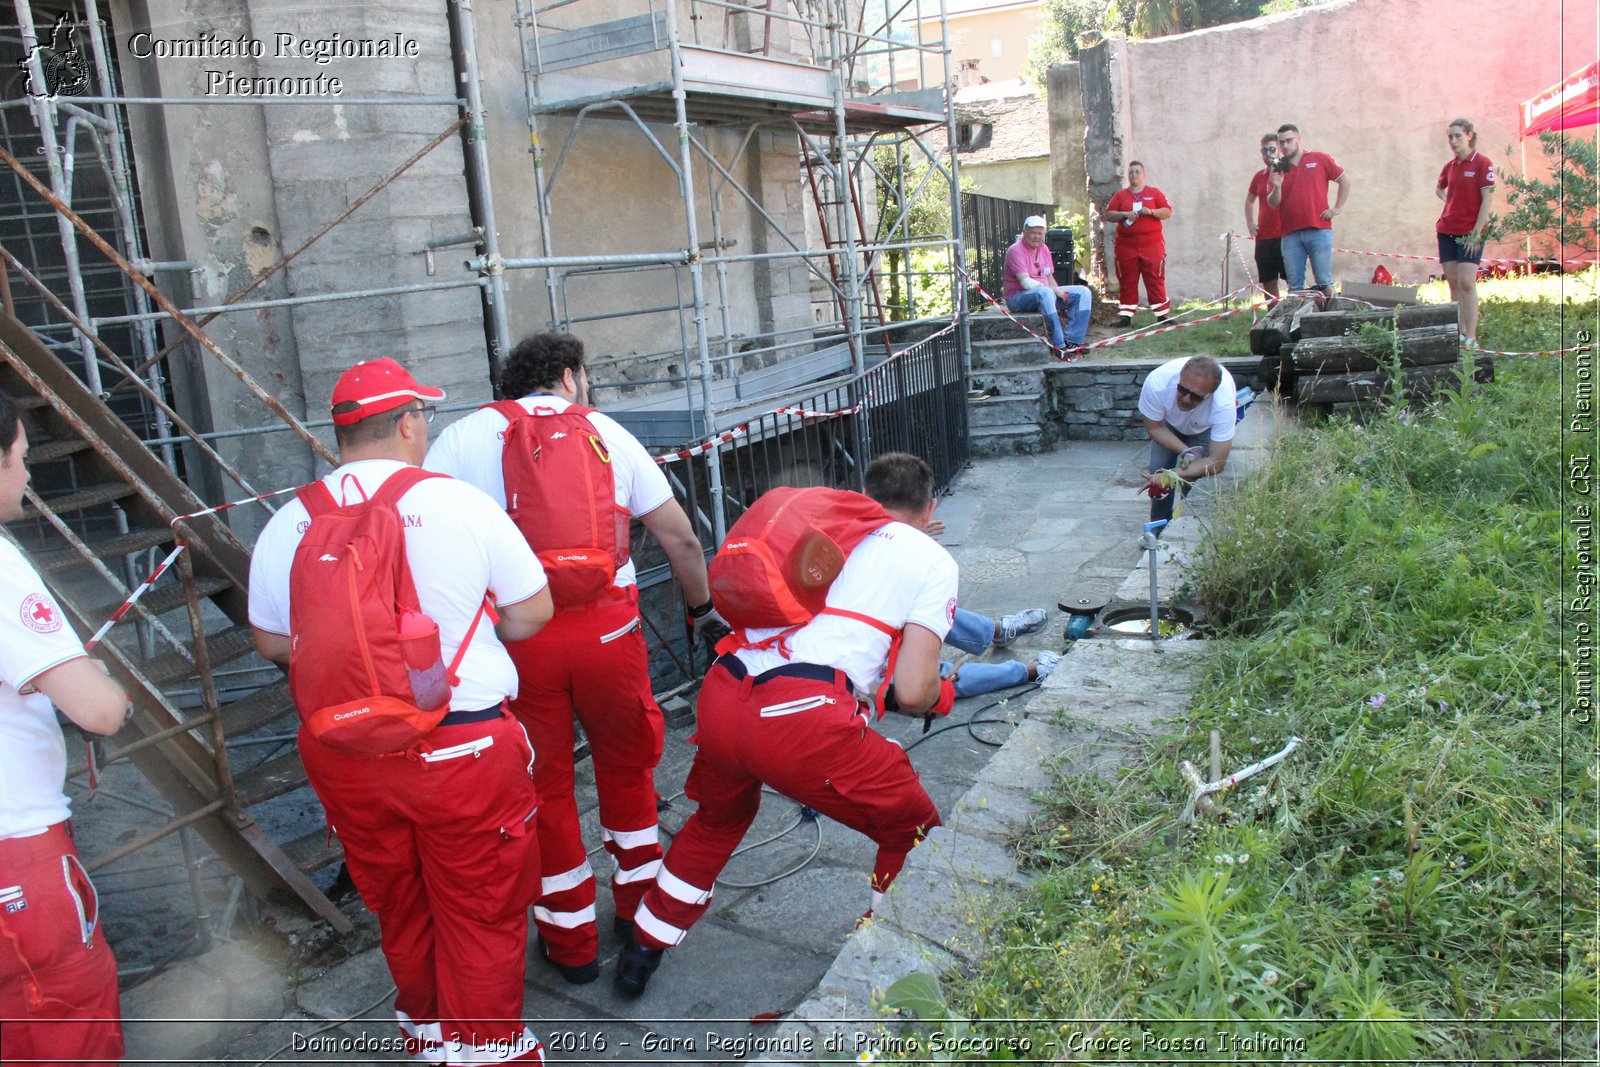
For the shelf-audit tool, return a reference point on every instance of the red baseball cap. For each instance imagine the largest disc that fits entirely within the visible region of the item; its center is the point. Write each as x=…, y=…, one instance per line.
x=376, y=386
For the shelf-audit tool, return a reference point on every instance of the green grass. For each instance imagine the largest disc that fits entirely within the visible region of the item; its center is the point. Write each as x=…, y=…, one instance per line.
x=1224, y=337
x=1419, y=879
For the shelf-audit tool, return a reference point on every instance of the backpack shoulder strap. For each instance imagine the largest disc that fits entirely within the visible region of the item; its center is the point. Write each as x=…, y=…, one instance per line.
x=388, y=495
x=876, y=624
x=317, y=499
x=508, y=408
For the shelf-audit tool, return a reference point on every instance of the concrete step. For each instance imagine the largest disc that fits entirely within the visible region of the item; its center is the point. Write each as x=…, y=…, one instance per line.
x=993, y=326
x=1013, y=353
x=1021, y=438
x=1006, y=409
x=987, y=325
x=1005, y=381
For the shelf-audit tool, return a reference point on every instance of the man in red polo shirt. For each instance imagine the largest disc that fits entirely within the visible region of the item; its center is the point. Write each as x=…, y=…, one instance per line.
x=1141, y=246
x=1301, y=196
x=1265, y=227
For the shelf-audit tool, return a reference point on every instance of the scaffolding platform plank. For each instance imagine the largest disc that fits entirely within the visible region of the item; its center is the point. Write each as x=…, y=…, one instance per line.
x=726, y=87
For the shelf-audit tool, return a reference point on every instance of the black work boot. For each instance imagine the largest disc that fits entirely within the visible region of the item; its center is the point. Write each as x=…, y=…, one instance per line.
x=635, y=965
x=574, y=973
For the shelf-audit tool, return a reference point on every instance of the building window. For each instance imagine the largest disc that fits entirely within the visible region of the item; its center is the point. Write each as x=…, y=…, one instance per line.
x=997, y=48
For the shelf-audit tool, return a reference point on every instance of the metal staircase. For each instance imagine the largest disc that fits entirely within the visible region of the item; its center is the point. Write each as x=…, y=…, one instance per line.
x=122, y=503
x=125, y=486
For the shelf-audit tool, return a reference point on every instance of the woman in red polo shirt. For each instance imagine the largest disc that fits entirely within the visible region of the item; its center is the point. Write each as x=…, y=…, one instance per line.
x=1466, y=185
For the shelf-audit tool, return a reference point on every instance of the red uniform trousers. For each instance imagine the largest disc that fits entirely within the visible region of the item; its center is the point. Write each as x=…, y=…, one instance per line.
x=804, y=737
x=1142, y=261
x=591, y=662
x=58, y=982
x=441, y=843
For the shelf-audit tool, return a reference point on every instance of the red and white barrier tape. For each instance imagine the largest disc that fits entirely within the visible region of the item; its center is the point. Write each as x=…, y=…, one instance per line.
x=116, y=616
x=1065, y=354
x=1435, y=258
x=1168, y=328
x=236, y=503
x=1554, y=352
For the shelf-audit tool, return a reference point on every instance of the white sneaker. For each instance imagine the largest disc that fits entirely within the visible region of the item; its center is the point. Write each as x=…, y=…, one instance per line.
x=1044, y=665
x=1019, y=625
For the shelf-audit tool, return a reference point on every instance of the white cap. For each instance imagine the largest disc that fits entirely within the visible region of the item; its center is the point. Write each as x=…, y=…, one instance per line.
x=1033, y=220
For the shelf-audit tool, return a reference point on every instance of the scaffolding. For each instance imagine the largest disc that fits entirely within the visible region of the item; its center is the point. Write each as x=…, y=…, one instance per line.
x=120, y=464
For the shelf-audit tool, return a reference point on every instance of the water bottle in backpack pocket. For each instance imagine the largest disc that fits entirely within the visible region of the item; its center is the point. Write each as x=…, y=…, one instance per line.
x=419, y=644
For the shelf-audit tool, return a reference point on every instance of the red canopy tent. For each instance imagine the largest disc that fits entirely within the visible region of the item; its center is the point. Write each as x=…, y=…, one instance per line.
x=1573, y=102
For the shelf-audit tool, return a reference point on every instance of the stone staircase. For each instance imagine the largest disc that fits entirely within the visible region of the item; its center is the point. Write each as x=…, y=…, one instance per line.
x=1008, y=367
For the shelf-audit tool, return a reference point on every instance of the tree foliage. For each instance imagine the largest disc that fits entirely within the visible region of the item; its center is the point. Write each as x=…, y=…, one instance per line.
x=1558, y=216
x=1066, y=22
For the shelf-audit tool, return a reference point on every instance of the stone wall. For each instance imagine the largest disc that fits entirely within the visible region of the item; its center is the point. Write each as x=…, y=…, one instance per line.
x=1098, y=399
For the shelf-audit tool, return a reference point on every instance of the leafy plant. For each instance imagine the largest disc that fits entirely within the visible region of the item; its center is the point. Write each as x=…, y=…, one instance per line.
x=1559, y=216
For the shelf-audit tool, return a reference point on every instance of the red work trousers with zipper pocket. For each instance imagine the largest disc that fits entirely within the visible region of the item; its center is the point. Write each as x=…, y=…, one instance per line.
x=591, y=662
x=58, y=982
x=441, y=842
x=806, y=738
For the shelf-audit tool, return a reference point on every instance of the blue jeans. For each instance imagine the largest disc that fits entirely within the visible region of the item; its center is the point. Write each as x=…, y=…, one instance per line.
x=970, y=632
x=1310, y=242
x=977, y=678
x=1045, y=301
x=1161, y=458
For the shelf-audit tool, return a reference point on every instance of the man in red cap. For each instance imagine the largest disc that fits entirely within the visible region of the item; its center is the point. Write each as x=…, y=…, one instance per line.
x=441, y=840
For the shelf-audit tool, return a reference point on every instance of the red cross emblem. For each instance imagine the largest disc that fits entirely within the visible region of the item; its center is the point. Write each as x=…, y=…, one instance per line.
x=39, y=614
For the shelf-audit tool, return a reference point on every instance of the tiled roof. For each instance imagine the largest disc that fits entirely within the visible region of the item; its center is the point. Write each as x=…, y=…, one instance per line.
x=1018, y=126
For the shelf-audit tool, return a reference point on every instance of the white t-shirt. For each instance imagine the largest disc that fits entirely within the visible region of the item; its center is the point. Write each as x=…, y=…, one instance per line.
x=34, y=637
x=459, y=544
x=470, y=449
x=897, y=575
x=1158, y=401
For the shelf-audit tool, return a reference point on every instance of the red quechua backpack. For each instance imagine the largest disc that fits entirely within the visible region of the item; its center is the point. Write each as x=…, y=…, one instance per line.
x=364, y=666
x=561, y=493
x=776, y=564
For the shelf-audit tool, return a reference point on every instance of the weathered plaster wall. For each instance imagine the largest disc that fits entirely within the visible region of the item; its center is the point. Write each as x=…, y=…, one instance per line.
x=1069, y=180
x=1017, y=179
x=200, y=207
x=234, y=186
x=1373, y=82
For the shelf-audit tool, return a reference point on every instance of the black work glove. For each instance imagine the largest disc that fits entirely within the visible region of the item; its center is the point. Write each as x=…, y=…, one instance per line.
x=704, y=622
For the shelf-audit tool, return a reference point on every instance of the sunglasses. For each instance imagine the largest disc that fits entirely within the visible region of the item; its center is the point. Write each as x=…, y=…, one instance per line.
x=1192, y=395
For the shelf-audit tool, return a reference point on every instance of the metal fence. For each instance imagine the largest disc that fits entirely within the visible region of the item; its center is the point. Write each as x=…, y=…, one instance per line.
x=988, y=226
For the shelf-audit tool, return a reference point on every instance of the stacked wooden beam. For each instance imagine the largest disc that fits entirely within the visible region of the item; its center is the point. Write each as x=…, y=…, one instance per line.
x=1343, y=356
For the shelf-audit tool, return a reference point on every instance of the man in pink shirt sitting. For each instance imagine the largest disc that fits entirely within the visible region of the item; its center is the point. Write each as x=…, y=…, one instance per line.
x=1030, y=285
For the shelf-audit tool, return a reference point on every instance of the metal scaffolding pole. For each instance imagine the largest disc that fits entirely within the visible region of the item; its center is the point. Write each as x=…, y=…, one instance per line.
x=696, y=276
x=469, y=78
